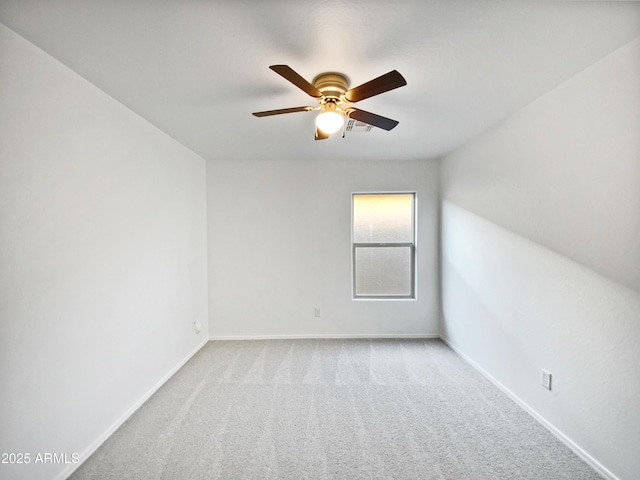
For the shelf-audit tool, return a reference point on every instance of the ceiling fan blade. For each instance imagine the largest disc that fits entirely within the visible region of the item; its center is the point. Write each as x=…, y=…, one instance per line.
x=379, y=85
x=268, y=113
x=289, y=74
x=320, y=135
x=372, y=119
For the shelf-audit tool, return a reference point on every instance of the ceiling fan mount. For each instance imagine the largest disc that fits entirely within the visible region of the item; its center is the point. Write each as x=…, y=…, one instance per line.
x=335, y=99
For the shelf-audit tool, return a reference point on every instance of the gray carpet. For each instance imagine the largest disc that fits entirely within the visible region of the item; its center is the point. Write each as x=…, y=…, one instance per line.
x=331, y=409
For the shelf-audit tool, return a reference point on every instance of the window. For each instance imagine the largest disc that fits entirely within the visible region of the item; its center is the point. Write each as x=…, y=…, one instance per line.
x=384, y=245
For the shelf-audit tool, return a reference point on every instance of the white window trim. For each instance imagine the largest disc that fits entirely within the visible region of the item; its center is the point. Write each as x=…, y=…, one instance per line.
x=414, y=251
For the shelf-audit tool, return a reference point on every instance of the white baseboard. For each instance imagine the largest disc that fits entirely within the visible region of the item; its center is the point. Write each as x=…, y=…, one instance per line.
x=601, y=469
x=102, y=438
x=323, y=335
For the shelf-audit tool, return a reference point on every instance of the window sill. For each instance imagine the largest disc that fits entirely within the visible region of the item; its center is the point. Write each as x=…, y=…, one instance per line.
x=385, y=299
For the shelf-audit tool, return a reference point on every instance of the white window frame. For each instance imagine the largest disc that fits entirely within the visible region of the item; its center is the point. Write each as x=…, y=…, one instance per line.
x=412, y=245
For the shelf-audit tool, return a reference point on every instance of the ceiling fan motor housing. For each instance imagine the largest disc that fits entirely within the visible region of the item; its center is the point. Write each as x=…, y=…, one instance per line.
x=331, y=84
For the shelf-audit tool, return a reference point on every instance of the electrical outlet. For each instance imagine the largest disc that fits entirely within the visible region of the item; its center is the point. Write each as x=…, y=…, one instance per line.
x=546, y=379
x=316, y=312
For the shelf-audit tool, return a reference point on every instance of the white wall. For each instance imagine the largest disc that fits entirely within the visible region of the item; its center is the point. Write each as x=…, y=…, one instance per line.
x=541, y=257
x=280, y=246
x=102, y=259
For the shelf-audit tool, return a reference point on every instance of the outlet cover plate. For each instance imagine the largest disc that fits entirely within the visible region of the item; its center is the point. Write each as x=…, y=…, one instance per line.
x=546, y=379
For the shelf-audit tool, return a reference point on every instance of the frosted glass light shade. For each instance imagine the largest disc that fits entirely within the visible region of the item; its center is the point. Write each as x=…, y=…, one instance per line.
x=329, y=122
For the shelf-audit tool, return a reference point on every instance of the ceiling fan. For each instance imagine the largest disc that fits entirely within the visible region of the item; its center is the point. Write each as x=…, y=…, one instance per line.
x=334, y=97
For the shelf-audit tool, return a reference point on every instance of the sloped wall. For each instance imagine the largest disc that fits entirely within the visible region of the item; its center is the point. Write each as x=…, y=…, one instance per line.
x=541, y=258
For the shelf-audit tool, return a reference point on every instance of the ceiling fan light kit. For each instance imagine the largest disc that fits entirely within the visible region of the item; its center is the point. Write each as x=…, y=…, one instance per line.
x=335, y=99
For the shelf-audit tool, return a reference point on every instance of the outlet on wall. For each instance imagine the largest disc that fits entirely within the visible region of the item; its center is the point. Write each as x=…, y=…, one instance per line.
x=546, y=379
x=316, y=312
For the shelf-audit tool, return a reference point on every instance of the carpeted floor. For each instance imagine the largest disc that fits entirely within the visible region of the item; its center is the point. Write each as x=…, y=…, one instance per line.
x=331, y=409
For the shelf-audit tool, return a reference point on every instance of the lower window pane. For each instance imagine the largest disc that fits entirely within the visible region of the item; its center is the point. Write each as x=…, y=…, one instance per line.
x=383, y=271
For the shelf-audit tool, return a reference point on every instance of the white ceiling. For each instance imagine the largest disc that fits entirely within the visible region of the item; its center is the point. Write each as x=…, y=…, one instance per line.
x=197, y=69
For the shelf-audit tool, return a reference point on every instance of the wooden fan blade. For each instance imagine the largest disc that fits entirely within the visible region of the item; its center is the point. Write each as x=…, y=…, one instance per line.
x=372, y=119
x=320, y=135
x=379, y=85
x=289, y=74
x=268, y=113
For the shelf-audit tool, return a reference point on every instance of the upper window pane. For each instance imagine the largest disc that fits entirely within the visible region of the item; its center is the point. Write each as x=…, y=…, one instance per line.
x=383, y=218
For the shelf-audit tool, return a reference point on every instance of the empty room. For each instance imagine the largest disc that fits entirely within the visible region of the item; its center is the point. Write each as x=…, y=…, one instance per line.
x=319, y=240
